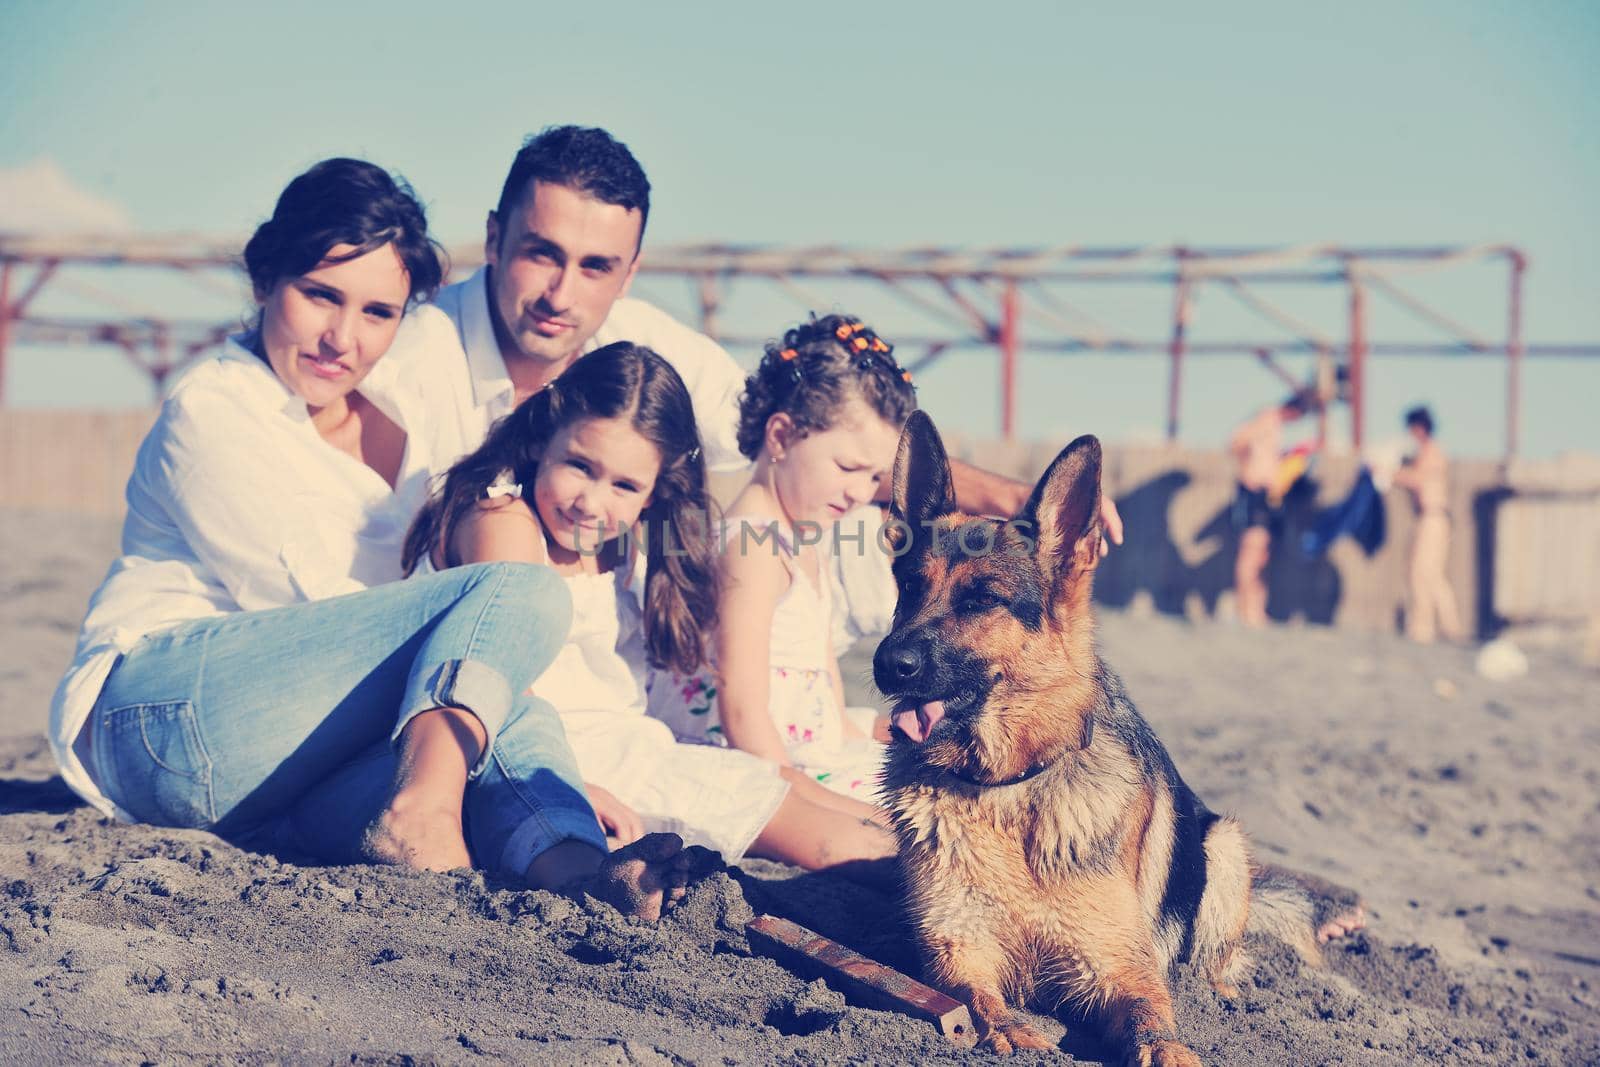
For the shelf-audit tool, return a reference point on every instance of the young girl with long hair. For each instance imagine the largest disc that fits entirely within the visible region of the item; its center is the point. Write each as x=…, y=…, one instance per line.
x=819, y=416
x=596, y=475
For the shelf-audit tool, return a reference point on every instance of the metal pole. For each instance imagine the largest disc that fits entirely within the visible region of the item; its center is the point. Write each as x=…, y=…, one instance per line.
x=1180, y=326
x=1514, y=350
x=1008, y=362
x=1324, y=395
x=1358, y=359
x=710, y=300
x=5, y=323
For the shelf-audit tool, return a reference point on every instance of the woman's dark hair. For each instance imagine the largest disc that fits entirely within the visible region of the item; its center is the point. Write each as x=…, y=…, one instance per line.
x=586, y=160
x=816, y=369
x=343, y=201
x=621, y=380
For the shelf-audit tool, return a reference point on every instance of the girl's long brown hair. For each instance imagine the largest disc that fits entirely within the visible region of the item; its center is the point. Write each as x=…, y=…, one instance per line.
x=621, y=380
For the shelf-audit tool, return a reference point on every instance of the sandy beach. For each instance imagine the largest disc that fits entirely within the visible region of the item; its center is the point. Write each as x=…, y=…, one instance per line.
x=1467, y=811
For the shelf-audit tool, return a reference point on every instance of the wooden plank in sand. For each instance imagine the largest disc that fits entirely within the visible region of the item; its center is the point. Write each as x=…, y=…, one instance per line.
x=862, y=981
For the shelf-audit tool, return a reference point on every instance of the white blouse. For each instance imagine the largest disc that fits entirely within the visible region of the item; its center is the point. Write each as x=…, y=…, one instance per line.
x=236, y=503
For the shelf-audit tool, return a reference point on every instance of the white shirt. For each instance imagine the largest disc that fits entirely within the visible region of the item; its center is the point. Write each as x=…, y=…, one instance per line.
x=451, y=345
x=236, y=503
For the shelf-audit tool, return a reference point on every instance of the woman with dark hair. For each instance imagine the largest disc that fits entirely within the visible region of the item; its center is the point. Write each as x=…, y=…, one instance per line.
x=253, y=666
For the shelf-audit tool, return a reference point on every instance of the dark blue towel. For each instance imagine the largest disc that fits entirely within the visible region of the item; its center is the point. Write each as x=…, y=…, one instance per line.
x=1359, y=514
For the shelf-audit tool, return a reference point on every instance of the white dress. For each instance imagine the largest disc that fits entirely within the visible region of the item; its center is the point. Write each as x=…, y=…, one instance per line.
x=805, y=709
x=709, y=796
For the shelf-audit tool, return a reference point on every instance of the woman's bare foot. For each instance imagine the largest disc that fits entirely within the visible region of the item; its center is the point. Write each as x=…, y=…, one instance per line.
x=421, y=825
x=428, y=839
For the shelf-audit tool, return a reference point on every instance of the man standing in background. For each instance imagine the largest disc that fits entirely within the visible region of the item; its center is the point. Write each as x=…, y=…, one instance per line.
x=1431, y=608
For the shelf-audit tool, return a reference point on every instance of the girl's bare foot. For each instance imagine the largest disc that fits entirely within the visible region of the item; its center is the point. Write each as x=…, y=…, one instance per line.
x=1338, y=911
x=650, y=876
x=1342, y=924
x=427, y=839
x=643, y=879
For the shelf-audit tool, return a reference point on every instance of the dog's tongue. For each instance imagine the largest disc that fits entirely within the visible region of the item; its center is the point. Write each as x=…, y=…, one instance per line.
x=916, y=723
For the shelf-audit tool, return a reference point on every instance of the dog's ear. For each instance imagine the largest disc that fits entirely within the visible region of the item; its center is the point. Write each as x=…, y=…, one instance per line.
x=922, y=488
x=1063, y=514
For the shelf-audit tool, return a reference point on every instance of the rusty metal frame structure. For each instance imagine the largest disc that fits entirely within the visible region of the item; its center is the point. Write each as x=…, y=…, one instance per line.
x=975, y=298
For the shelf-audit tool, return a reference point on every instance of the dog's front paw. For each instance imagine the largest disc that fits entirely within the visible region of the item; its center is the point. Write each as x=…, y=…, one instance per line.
x=1016, y=1037
x=1022, y=1035
x=996, y=1042
x=1163, y=1054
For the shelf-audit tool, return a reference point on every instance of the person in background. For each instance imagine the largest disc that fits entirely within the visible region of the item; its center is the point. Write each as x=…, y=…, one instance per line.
x=1256, y=447
x=1431, y=608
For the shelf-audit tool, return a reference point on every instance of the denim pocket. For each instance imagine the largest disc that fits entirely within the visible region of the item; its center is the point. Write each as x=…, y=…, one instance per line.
x=161, y=773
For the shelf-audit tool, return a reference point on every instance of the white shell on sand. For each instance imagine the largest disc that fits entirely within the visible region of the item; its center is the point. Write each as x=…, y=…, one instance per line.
x=1500, y=660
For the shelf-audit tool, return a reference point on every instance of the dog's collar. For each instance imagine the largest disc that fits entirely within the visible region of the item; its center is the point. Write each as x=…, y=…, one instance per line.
x=1031, y=772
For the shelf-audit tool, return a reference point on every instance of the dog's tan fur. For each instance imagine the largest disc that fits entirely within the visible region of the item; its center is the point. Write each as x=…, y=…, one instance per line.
x=1051, y=852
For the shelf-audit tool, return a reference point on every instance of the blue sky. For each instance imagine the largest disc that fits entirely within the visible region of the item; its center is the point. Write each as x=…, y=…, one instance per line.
x=880, y=125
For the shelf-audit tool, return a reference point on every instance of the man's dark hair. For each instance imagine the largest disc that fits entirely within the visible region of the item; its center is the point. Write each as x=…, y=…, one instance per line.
x=1420, y=416
x=586, y=160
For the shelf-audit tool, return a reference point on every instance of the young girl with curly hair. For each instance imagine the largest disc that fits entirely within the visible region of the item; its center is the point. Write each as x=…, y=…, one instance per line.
x=819, y=416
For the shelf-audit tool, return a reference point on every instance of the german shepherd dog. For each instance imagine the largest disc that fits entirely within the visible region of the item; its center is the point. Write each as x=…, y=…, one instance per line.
x=1051, y=852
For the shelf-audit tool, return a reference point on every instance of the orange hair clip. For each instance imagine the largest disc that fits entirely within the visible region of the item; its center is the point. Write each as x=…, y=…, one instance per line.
x=905, y=376
x=787, y=354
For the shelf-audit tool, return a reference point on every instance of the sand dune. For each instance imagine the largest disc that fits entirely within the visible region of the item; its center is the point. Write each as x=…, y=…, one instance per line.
x=1465, y=810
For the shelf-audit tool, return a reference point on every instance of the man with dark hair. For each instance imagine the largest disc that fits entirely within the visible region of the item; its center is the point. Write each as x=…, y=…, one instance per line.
x=584, y=159
x=562, y=247
x=1257, y=448
x=1431, y=607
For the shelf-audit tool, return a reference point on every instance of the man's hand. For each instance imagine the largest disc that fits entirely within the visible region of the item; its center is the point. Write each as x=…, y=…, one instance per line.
x=1110, y=524
x=979, y=492
x=620, y=822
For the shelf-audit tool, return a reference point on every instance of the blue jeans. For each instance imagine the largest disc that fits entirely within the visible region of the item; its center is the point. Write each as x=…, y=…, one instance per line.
x=278, y=727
